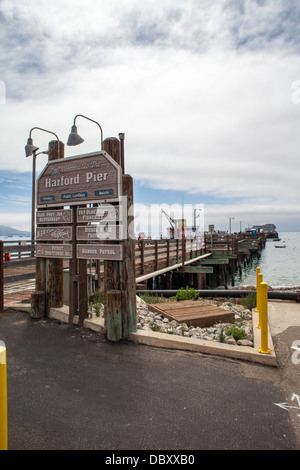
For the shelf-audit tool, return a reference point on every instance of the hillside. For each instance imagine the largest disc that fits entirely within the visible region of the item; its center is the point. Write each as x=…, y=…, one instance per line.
x=12, y=232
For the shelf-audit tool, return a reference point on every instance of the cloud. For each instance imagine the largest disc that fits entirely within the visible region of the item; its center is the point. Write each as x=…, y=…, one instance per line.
x=203, y=90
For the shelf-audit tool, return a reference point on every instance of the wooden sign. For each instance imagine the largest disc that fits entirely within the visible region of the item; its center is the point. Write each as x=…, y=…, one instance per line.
x=199, y=269
x=95, y=251
x=60, y=216
x=99, y=232
x=105, y=212
x=46, y=250
x=89, y=178
x=54, y=233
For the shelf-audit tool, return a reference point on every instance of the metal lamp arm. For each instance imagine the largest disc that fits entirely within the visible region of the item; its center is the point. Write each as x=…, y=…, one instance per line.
x=45, y=130
x=89, y=119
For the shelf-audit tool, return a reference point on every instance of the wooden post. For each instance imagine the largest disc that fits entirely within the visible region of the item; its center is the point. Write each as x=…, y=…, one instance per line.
x=73, y=295
x=128, y=265
x=168, y=253
x=142, y=248
x=1, y=278
x=183, y=245
x=114, y=315
x=156, y=255
x=120, y=275
x=54, y=284
x=112, y=269
x=49, y=272
x=82, y=291
x=54, y=266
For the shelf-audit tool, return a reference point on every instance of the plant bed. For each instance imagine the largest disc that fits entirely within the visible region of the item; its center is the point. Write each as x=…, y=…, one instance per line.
x=237, y=332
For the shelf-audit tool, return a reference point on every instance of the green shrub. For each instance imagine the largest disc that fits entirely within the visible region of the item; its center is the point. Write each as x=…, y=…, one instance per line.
x=152, y=299
x=188, y=293
x=235, y=332
x=249, y=301
x=97, y=301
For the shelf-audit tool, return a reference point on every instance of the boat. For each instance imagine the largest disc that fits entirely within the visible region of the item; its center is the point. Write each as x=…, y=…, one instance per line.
x=280, y=246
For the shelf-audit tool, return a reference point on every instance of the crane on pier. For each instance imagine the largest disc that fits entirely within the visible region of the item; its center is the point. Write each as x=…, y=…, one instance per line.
x=171, y=222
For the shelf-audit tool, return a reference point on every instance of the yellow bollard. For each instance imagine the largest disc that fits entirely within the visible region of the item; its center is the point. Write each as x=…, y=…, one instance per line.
x=258, y=295
x=257, y=273
x=3, y=398
x=264, y=319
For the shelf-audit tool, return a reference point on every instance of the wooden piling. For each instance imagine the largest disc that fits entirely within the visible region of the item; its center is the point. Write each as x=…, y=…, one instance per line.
x=37, y=308
x=128, y=283
x=49, y=271
x=114, y=315
x=119, y=276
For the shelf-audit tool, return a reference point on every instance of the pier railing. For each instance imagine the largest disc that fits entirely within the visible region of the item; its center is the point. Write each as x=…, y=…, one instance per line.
x=18, y=249
x=234, y=244
x=152, y=255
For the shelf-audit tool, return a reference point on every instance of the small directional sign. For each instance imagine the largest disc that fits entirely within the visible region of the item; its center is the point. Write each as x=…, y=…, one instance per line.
x=199, y=269
x=96, y=251
x=46, y=250
x=54, y=233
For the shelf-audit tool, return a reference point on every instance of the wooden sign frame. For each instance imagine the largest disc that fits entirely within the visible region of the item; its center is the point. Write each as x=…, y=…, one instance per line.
x=99, y=251
x=58, y=250
x=60, y=233
x=83, y=179
x=57, y=216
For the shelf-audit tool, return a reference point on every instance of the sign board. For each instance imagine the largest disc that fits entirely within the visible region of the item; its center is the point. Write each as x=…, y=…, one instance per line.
x=99, y=232
x=89, y=178
x=105, y=213
x=46, y=250
x=54, y=233
x=95, y=251
x=60, y=216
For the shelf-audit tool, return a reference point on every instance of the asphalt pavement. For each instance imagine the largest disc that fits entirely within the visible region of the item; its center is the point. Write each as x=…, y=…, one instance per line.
x=69, y=388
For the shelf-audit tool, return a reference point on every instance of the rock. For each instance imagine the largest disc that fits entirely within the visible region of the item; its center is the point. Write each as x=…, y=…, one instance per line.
x=140, y=302
x=210, y=330
x=230, y=340
x=244, y=342
x=147, y=320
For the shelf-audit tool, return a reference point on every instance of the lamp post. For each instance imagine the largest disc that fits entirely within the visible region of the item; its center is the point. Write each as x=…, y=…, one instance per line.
x=74, y=137
x=230, y=224
x=31, y=149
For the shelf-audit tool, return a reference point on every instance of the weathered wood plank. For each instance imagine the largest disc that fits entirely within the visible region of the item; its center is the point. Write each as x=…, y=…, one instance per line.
x=194, y=313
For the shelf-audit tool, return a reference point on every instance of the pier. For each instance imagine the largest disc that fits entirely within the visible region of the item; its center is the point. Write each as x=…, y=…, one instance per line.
x=159, y=264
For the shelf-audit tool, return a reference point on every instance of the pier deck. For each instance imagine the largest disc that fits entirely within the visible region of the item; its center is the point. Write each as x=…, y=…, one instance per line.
x=217, y=258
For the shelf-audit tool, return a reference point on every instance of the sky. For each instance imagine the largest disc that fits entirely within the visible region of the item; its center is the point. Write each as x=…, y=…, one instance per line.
x=207, y=93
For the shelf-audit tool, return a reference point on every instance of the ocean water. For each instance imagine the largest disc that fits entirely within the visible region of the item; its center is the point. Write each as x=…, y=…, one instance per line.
x=279, y=266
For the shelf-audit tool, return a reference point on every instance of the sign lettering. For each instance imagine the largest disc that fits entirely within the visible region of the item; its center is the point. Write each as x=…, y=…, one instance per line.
x=54, y=233
x=95, y=251
x=54, y=251
x=60, y=216
x=83, y=179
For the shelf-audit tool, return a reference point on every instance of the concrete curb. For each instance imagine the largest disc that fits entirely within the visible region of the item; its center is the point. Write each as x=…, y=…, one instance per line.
x=246, y=353
x=163, y=340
